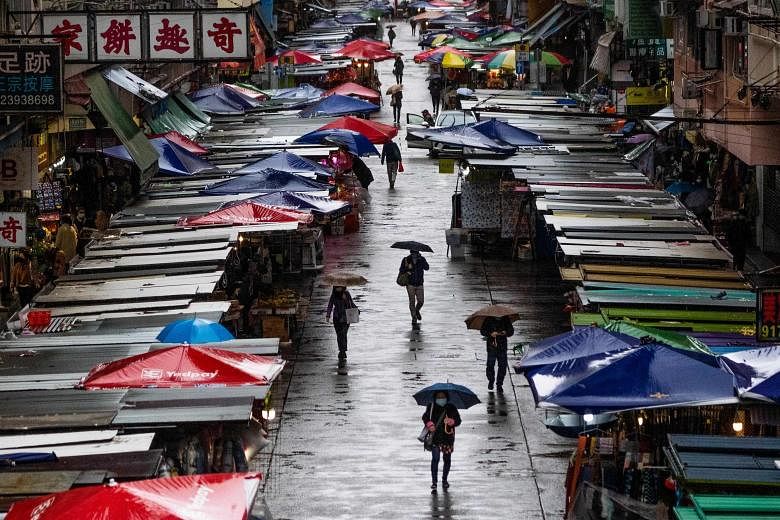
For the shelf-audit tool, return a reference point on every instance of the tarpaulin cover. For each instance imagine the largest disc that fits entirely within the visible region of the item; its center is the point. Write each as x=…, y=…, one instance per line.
x=507, y=133
x=756, y=372
x=227, y=496
x=298, y=57
x=174, y=160
x=647, y=376
x=365, y=42
x=351, y=19
x=265, y=181
x=328, y=23
x=183, y=141
x=184, y=366
x=366, y=52
x=28, y=457
x=302, y=92
x=224, y=91
x=218, y=104
x=353, y=89
x=572, y=345
x=355, y=142
x=305, y=202
x=672, y=339
x=244, y=213
x=377, y=133
x=286, y=162
x=462, y=135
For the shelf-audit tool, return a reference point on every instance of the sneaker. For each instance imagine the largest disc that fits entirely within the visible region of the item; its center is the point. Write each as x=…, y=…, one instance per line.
x=490, y=385
x=419, y=317
x=500, y=389
x=445, y=485
x=433, y=486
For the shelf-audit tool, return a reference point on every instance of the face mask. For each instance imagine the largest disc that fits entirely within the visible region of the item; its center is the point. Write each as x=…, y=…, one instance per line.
x=441, y=401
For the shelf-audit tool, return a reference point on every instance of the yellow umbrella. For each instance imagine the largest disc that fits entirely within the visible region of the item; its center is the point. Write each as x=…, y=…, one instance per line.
x=455, y=61
x=439, y=40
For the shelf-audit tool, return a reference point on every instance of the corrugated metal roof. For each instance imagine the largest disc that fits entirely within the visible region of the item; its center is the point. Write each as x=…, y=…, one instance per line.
x=46, y=409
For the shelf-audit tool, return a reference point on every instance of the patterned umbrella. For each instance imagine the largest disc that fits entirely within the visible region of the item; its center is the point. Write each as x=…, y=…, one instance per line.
x=505, y=60
x=552, y=59
x=455, y=61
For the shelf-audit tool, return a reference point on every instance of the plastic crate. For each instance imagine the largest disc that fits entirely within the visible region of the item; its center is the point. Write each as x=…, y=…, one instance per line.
x=38, y=318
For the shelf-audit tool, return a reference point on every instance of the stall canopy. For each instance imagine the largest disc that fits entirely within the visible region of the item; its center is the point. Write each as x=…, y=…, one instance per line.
x=584, y=342
x=668, y=337
x=450, y=60
x=182, y=141
x=353, y=89
x=648, y=376
x=222, y=99
x=420, y=57
x=287, y=162
x=354, y=141
x=365, y=42
x=327, y=23
x=303, y=92
x=660, y=126
x=228, y=496
x=265, y=181
x=184, y=366
x=463, y=135
x=756, y=372
x=352, y=19
x=315, y=204
x=507, y=133
x=377, y=133
x=296, y=57
x=244, y=213
x=366, y=52
x=174, y=160
x=338, y=105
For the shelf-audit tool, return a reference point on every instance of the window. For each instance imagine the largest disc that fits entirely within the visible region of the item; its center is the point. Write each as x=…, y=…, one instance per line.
x=740, y=57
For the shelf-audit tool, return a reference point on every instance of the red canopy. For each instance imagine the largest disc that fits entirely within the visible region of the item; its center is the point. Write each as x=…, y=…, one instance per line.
x=227, y=496
x=353, y=89
x=245, y=213
x=365, y=52
x=363, y=42
x=377, y=133
x=298, y=57
x=184, y=366
x=183, y=141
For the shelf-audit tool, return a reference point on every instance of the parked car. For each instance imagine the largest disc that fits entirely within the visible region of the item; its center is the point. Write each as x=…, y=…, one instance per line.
x=445, y=119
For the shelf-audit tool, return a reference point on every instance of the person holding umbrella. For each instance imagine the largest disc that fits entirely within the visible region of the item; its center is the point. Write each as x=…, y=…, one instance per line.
x=412, y=272
x=494, y=322
x=340, y=306
x=392, y=153
x=396, y=100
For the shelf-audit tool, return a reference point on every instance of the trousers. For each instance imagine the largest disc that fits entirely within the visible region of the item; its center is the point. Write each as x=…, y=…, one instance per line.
x=493, y=355
x=341, y=334
x=397, y=113
x=435, y=455
x=416, y=295
x=392, y=171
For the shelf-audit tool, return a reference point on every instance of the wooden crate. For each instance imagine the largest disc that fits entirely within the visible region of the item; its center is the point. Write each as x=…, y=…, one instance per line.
x=275, y=327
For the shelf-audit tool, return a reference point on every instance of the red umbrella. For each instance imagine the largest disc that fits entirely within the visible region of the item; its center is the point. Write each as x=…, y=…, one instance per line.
x=245, y=213
x=365, y=52
x=377, y=133
x=183, y=141
x=184, y=366
x=298, y=57
x=227, y=496
x=363, y=42
x=353, y=89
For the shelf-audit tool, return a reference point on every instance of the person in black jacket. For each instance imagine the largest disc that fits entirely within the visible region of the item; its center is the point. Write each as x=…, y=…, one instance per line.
x=392, y=154
x=340, y=301
x=495, y=332
x=441, y=417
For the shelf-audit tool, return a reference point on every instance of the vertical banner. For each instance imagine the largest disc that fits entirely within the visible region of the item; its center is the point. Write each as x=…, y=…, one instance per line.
x=118, y=37
x=13, y=230
x=225, y=35
x=70, y=31
x=171, y=36
x=19, y=169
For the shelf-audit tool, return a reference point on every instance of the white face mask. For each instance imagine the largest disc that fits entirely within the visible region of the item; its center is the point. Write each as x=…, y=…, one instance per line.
x=441, y=401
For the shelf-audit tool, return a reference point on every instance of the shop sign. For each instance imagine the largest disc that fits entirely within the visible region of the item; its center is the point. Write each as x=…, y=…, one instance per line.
x=171, y=36
x=77, y=123
x=118, y=37
x=225, y=35
x=13, y=229
x=768, y=314
x=522, y=53
x=70, y=31
x=30, y=79
x=636, y=96
x=19, y=169
x=643, y=20
x=647, y=48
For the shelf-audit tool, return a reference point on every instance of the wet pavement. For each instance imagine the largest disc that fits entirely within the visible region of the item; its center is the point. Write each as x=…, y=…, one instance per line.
x=345, y=445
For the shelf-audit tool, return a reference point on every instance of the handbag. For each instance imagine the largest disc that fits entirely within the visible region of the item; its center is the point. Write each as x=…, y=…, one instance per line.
x=353, y=314
x=403, y=279
x=400, y=166
x=426, y=436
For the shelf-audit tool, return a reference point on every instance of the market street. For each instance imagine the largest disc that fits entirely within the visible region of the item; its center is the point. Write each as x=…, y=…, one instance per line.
x=346, y=445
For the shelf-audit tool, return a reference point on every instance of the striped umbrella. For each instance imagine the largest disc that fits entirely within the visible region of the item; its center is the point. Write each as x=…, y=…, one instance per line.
x=552, y=59
x=505, y=60
x=455, y=61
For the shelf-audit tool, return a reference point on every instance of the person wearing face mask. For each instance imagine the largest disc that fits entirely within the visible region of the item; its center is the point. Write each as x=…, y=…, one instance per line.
x=415, y=265
x=340, y=301
x=441, y=417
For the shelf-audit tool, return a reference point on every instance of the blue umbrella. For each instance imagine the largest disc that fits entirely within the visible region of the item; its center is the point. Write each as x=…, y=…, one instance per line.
x=194, y=331
x=458, y=395
x=756, y=372
x=284, y=161
x=338, y=105
x=174, y=160
x=581, y=343
x=507, y=133
x=356, y=142
x=265, y=181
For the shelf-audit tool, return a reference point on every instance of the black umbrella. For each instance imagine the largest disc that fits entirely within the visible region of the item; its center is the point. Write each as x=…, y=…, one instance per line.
x=411, y=245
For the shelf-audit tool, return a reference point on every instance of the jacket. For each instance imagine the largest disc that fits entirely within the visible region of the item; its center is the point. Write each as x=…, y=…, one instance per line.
x=391, y=152
x=491, y=325
x=416, y=270
x=441, y=435
x=67, y=240
x=338, y=306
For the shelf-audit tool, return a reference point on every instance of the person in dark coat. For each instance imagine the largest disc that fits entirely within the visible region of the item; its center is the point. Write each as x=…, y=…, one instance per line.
x=495, y=332
x=441, y=417
x=340, y=301
x=434, y=87
x=415, y=264
x=738, y=236
x=398, y=70
x=396, y=101
x=392, y=154
x=362, y=172
x=391, y=37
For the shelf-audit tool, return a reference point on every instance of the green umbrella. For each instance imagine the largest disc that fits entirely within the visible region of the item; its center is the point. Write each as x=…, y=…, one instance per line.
x=672, y=339
x=508, y=38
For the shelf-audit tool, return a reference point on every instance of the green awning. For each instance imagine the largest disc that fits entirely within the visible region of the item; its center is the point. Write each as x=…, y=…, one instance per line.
x=730, y=507
x=191, y=108
x=672, y=339
x=143, y=154
x=174, y=118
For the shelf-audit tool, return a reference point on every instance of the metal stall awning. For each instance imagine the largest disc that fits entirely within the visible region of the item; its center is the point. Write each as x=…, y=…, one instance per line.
x=660, y=126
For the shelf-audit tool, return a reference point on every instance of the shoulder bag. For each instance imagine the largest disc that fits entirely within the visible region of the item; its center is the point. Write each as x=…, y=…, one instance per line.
x=403, y=279
x=426, y=436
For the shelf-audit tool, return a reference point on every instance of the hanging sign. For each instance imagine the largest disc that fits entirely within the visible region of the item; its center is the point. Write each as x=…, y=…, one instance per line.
x=30, y=79
x=171, y=36
x=19, y=169
x=13, y=230
x=225, y=35
x=70, y=31
x=118, y=37
x=768, y=314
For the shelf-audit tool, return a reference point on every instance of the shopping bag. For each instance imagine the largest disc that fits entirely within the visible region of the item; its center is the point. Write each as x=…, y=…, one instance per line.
x=400, y=166
x=353, y=315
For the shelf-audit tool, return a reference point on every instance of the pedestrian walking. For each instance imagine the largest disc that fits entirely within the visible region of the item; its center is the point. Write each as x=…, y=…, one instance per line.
x=441, y=418
x=495, y=331
x=391, y=36
x=398, y=70
x=392, y=154
x=340, y=300
x=434, y=87
x=67, y=239
x=413, y=25
x=396, y=100
x=415, y=266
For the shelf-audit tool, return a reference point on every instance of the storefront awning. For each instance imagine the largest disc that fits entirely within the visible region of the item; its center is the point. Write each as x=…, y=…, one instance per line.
x=541, y=26
x=143, y=154
x=600, y=61
x=660, y=126
x=139, y=87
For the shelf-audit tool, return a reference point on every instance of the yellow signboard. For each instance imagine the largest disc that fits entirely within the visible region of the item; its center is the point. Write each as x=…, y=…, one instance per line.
x=646, y=96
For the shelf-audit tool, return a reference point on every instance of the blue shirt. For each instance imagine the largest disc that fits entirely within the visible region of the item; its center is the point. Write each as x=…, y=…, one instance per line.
x=416, y=269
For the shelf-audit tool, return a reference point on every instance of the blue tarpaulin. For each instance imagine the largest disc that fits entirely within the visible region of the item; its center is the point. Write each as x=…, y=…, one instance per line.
x=264, y=182
x=302, y=92
x=221, y=99
x=572, y=345
x=756, y=372
x=507, y=133
x=357, y=143
x=287, y=162
x=338, y=105
x=305, y=202
x=25, y=457
x=648, y=376
x=174, y=160
x=463, y=135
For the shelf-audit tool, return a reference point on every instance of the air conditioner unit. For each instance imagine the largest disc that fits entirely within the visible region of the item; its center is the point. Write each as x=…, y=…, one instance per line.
x=690, y=90
x=732, y=26
x=667, y=8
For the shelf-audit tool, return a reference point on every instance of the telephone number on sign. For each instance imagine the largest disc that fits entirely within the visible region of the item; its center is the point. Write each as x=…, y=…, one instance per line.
x=29, y=100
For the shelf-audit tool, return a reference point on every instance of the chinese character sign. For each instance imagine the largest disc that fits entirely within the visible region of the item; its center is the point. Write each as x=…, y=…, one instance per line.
x=19, y=169
x=118, y=37
x=70, y=31
x=768, y=315
x=30, y=79
x=171, y=36
x=13, y=230
x=225, y=35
